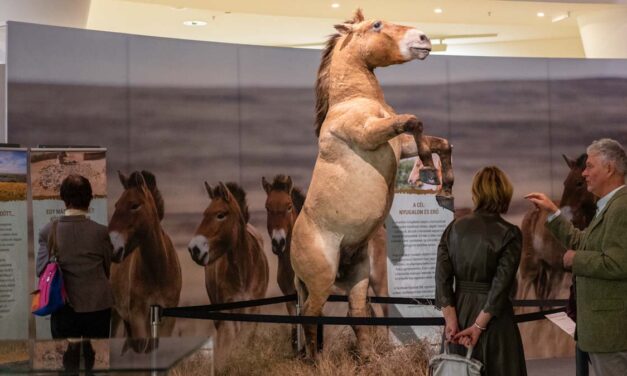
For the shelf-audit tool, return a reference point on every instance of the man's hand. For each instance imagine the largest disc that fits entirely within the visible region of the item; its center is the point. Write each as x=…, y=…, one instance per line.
x=568, y=258
x=542, y=202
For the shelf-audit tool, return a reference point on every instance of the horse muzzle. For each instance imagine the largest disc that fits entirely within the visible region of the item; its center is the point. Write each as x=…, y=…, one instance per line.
x=118, y=241
x=278, y=246
x=199, y=250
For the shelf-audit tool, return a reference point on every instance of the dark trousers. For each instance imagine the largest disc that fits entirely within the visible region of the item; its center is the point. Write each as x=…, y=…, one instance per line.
x=66, y=323
x=582, y=362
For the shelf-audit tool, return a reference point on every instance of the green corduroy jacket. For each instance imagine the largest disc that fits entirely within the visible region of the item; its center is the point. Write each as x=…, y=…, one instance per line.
x=600, y=266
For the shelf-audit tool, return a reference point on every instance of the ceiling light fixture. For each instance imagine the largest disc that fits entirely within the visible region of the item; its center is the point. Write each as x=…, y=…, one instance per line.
x=194, y=23
x=437, y=10
x=540, y=14
x=335, y=5
x=561, y=17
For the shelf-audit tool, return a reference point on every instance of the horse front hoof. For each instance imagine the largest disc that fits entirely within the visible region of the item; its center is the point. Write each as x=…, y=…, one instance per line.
x=429, y=175
x=447, y=202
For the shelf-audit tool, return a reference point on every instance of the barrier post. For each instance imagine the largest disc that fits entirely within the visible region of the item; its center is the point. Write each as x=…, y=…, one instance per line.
x=155, y=320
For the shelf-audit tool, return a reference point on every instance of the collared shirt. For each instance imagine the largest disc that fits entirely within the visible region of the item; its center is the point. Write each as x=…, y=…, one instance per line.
x=600, y=204
x=75, y=212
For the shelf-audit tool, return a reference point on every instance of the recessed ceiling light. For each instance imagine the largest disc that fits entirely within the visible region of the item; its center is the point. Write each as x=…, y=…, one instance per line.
x=335, y=5
x=437, y=10
x=540, y=14
x=195, y=23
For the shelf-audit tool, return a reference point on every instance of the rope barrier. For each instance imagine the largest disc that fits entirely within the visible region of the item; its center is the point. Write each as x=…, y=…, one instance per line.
x=212, y=312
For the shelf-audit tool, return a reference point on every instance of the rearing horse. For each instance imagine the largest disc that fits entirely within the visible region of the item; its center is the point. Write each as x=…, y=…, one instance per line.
x=150, y=272
x=361, y=140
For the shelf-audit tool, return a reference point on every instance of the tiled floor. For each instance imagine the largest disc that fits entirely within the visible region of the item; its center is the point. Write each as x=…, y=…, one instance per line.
x=552, y=367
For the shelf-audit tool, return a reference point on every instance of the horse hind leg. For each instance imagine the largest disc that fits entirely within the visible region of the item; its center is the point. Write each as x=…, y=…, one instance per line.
x=428, y=173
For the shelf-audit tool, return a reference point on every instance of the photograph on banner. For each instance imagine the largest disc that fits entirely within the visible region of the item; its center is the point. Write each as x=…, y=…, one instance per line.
x=48, y=168
x=414, y=228
x=13, y=244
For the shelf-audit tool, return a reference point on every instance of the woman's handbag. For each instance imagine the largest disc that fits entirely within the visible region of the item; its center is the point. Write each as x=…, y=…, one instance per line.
x=50, y=295
x=447, y=364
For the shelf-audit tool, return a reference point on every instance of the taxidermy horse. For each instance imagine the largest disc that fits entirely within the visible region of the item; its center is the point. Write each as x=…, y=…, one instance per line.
x=541, y=274
x=149, y=272
x=231, y=250
x=361, y=140
x=284, y=202
x=414, y=175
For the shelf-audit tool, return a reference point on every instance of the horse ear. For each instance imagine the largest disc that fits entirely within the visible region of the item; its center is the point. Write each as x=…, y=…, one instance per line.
x=123, y=179
x=266, y=186
x=209, y=190
x=224, y=192
x=343, y=28
x=290, y=185
x=150, y=179
x=569, y=161
x=139, y=180
x=358, y=16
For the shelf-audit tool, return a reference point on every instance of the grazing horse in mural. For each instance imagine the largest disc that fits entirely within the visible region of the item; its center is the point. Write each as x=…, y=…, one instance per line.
x=231, y=250
x=541, y=274
x=361, y=140
x=149, y=273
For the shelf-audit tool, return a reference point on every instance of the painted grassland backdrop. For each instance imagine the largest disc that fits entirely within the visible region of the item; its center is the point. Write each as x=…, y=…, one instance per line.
x=193, y=111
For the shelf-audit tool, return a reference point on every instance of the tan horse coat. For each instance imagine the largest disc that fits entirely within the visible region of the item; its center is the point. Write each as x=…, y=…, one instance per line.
x=360, y=144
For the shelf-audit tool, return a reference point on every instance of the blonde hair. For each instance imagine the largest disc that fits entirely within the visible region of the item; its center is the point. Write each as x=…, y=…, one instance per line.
x=491, y=190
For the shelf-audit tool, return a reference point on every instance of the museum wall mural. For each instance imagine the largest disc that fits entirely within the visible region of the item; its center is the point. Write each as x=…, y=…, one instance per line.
x=193, y=112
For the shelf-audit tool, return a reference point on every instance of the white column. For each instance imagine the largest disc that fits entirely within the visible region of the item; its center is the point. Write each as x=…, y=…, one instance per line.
x=603, y=33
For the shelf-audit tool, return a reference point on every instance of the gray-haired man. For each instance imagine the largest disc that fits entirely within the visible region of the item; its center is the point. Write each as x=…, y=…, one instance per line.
x=598, y=258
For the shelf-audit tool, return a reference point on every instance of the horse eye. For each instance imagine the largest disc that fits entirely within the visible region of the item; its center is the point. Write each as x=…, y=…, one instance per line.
x=377, y=26
x=289, y=209
x=221, y=216
x=135, y=206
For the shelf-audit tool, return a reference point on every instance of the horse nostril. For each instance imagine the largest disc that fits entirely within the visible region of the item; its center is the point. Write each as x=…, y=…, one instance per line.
x=194, y=251
x=282, y=243
x=424, y=38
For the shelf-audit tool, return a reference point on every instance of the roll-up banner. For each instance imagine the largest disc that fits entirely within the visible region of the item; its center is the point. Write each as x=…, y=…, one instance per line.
x=14, y=298
x=48, y=168
x=414, y=228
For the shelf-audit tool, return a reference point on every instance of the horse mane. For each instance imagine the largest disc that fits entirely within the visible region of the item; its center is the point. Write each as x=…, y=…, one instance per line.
x=298, y=199
x=279, y=183
x=581, y=161
x=151, y=183
x=322, y=80
x=240, y=196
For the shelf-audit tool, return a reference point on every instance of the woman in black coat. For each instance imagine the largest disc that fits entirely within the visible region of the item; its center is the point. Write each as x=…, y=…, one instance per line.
x=478, y=257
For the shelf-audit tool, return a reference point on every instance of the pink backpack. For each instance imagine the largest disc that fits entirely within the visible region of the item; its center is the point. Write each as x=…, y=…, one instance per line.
x=51, y=295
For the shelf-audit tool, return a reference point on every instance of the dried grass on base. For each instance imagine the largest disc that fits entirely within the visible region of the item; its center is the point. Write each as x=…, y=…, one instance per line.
x=268, y=352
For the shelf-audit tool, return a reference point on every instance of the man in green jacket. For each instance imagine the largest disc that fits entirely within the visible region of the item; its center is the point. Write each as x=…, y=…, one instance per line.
x=598, y=258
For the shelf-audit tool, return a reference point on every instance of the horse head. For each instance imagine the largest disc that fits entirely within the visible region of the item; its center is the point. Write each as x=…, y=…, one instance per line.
x=380, y=43
x=577, y=203
x=283, y=203
x=138, y=211
x=223, y=225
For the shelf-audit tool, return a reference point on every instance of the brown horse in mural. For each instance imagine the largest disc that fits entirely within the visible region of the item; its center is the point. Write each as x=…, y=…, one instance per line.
x=361, y=140
x=231, y=250
x=150, y=272
x=541, y=274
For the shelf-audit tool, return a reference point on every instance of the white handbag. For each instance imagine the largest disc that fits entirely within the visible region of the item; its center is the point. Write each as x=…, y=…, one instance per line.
x=447, y=364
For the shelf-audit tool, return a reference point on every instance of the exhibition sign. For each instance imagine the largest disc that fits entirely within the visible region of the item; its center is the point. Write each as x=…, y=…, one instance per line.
x=48, y=168
x=14, y=305
x=414, y=228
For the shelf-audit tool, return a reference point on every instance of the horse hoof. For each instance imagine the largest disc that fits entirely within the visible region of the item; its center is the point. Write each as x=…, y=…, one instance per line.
x=429, y=176
x=447, y=202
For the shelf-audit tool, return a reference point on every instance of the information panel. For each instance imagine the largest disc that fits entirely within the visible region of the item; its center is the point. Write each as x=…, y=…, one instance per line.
x=48, y=168
x=414, y=228
x=14, y=298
